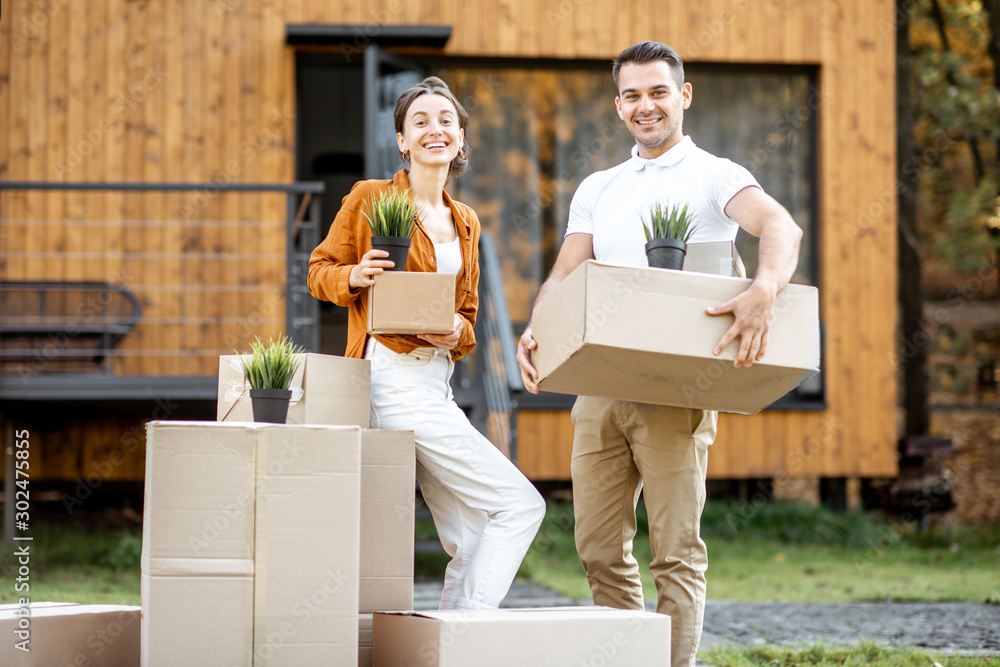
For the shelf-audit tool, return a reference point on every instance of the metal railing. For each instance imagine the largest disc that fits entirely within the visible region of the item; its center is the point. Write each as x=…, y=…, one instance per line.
x=301, y=230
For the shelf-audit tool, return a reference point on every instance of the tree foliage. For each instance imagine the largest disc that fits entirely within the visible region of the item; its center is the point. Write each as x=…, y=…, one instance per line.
x=957, y=112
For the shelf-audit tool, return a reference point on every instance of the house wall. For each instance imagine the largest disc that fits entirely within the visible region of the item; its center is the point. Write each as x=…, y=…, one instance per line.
x=179, y=90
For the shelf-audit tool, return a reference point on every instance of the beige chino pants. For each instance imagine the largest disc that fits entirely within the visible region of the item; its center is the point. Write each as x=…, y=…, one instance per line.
x=619, y=449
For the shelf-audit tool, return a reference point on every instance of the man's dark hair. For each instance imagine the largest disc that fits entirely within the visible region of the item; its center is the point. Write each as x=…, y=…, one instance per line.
x=647, y=52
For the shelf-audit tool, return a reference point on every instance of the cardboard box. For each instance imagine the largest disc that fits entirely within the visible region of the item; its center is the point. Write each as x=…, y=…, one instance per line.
x=251, y=536
x=718, y=258
x=554, y=637
x=365, y=640
x=64, y=633
x=197, y=544
x=388, y=472
x=643, y=335
x=412, y=302
x=307, y=533
x=326, y=389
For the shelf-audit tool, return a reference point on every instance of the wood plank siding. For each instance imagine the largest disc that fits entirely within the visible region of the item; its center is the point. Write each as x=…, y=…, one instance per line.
x=188, y=90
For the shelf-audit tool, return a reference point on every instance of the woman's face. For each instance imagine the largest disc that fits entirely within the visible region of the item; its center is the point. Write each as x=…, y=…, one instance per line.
x=430, y=132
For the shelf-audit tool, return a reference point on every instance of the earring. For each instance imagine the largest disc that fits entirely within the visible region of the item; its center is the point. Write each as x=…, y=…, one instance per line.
x=405, y=156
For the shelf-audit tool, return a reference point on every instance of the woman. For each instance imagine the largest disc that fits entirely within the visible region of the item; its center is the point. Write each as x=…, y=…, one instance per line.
x=486, y=512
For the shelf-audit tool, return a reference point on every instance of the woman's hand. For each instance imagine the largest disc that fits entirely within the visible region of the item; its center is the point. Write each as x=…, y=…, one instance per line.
x=363, y=274
x=445, y=341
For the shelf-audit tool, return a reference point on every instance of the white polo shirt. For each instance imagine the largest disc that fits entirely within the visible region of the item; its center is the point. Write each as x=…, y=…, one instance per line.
x=608, y=204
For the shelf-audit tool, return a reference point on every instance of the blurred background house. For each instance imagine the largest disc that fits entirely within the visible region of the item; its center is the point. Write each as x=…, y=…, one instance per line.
x=238, y=125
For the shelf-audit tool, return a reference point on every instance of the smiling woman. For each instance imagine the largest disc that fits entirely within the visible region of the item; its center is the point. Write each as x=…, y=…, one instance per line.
x=486, y=512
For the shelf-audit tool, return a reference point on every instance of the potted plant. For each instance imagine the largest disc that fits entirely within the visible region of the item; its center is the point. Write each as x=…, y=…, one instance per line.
x=669, y=228
x=390, y=215
x=269, y=370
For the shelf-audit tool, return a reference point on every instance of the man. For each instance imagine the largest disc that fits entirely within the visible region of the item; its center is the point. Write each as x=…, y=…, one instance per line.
x=621, y=447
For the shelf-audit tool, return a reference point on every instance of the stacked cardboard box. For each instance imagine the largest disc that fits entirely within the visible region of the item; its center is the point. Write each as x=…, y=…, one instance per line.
x=552, y=636
x=250, y=544
x=325, y=390
x=335, y=391
x=64, y=633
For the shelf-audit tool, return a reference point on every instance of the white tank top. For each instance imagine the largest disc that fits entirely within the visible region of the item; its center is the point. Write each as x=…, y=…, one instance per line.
x=449, y=257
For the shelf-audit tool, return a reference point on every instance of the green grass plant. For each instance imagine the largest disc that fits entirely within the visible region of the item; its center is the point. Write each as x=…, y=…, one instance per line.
x=867, y=653
x=271, y=365
x=668, y=221
x=390, y=213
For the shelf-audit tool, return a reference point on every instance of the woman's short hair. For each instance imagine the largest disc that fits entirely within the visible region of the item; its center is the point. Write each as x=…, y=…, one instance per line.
x=435, y=86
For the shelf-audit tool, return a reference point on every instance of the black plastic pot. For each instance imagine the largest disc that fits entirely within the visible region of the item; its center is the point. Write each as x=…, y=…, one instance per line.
x=398, y=248
x=270, y=405
x=666, y=253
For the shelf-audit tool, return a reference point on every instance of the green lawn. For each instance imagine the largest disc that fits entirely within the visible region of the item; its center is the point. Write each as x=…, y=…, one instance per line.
x=823, y=656
x=798, y=553
x=779, y=552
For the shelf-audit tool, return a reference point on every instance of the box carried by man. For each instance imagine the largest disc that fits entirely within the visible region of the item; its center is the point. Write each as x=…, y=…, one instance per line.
x=644, y=335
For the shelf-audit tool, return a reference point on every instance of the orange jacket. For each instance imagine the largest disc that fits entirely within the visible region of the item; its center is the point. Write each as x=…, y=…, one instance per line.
x=350, y=238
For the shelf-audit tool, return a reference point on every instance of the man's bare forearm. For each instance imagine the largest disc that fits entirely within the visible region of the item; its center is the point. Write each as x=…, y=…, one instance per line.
x=778, y=253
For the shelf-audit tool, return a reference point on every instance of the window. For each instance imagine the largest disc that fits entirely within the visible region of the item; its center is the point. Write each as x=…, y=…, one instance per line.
x=538, y=130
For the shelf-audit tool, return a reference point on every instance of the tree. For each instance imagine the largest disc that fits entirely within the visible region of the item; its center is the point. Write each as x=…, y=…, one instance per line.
x=948, y=141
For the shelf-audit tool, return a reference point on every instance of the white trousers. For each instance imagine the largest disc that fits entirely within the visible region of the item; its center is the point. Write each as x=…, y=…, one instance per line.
x=485, y=510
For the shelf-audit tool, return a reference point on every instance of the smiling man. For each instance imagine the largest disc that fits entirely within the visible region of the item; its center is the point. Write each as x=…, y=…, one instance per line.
x=621, y=447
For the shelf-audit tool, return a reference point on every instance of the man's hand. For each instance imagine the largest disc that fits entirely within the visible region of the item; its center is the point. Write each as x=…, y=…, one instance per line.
x=445, y=341
x=529, y=376
x=754, y=311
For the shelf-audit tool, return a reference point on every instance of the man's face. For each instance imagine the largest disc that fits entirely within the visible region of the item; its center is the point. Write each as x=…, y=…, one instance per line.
x=652, y=105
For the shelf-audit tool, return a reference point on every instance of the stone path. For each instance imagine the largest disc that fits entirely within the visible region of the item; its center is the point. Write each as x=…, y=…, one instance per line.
x=967, y=628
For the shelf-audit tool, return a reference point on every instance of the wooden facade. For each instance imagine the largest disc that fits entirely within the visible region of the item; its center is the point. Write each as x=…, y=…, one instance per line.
x=203, y=91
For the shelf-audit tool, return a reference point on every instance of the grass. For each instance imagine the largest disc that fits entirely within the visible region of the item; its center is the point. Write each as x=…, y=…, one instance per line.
x=787, y=552
x=823, y=656
x=778, y=551
x=88, y=560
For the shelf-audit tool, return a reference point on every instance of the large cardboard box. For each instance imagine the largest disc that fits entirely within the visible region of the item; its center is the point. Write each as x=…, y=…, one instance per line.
x=643, y=335
x=387, y=494
x=554, y=637
x=412, y=302
x=64, y=633
x=306, y=545
x=197, y=544
x=251, y=536
x=326, y=389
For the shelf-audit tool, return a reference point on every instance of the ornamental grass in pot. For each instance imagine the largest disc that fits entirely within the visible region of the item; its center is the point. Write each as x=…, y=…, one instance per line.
x=391, y=215
x=269, y=371
x=667, y=233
